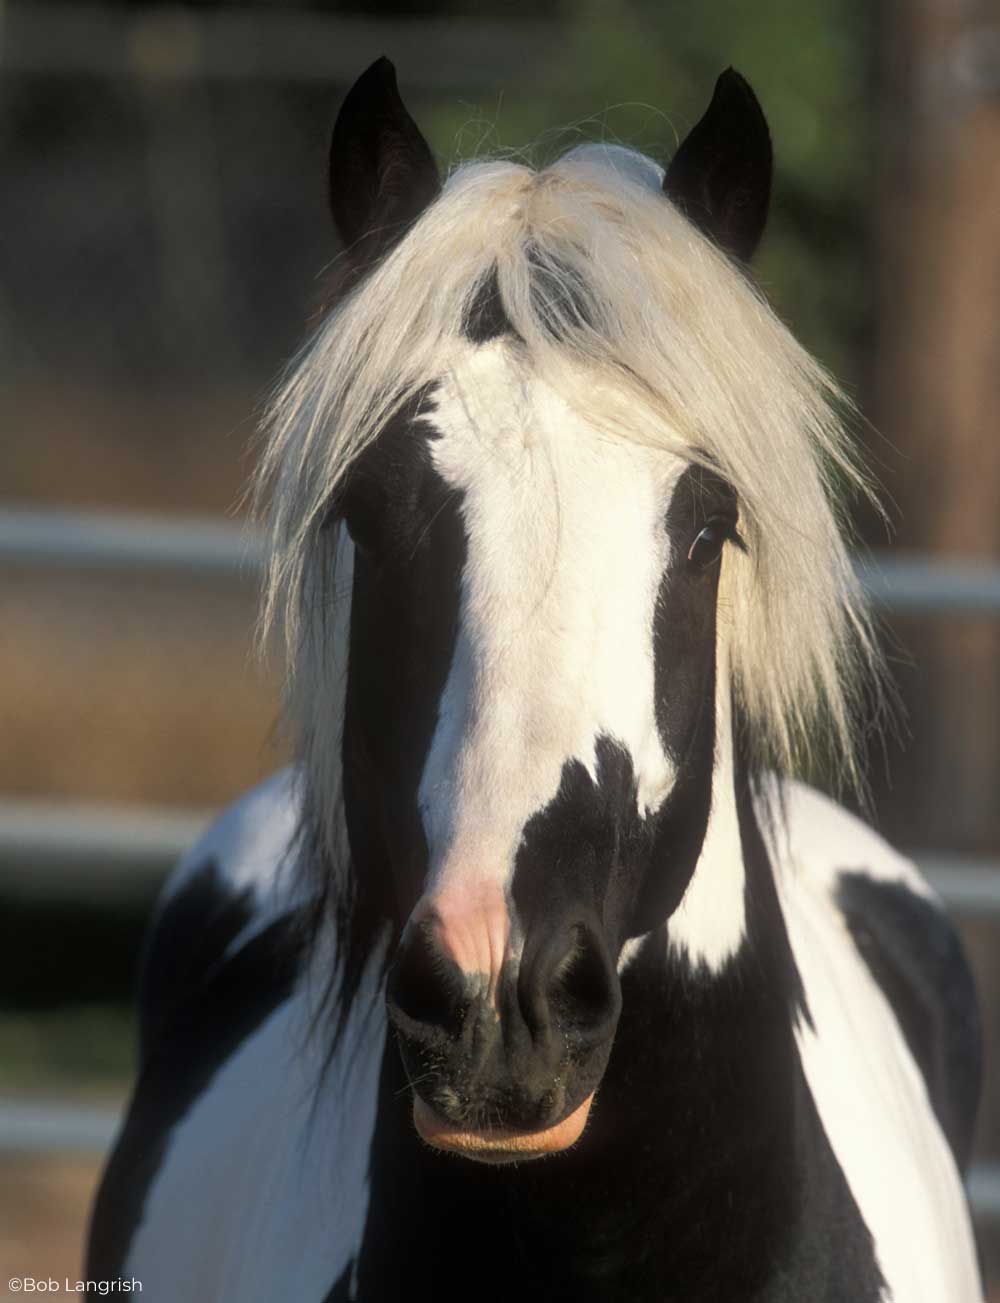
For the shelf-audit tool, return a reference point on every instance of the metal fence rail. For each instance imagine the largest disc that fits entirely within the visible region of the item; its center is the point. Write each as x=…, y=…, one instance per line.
x=213, y=549
x=53, y=849
x=920, y=584
x=983, y=1185
x=30, y=1126
x=120, y=542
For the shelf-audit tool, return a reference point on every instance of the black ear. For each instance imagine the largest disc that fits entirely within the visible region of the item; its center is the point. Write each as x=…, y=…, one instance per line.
x=720, y=177
x=382, y=173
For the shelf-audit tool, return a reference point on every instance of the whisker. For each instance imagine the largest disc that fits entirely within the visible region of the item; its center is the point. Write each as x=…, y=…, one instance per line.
x=411, y=1082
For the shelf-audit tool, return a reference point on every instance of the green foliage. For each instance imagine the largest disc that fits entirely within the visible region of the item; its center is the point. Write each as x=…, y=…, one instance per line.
x=642, y=73
x=84, y=1050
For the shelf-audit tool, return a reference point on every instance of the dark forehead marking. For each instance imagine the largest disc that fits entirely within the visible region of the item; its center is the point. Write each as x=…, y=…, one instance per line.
x=486, y=318
x=560, y=301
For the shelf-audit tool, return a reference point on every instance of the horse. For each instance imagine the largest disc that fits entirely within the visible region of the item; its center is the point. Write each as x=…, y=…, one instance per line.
x=540, y=974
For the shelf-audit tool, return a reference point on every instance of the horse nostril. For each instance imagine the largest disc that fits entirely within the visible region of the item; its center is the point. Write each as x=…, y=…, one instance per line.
x=425, y=987
x=584, y=988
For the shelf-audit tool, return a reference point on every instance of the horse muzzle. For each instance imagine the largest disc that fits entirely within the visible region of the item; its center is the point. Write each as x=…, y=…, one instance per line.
x=504, y=1064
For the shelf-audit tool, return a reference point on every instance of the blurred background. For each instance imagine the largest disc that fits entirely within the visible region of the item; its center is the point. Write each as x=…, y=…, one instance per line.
x=163, y=231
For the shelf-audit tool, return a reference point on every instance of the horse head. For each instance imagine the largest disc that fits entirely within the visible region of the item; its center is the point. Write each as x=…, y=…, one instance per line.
x=513, y=436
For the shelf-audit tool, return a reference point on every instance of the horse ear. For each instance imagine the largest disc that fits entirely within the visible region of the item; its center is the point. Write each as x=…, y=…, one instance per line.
x=720, y=176
x=382, y=172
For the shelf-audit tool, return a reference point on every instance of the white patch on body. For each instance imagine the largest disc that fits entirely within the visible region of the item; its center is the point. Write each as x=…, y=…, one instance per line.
x=263, y=1190
x=263, y=1193
x=868, y=1089
x=566, y=549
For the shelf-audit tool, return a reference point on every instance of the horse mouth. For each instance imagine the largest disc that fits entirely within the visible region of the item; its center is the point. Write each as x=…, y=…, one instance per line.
x=496, y=1145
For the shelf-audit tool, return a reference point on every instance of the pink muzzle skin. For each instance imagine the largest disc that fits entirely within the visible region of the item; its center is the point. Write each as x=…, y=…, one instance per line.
x=496, y=1146
x=472, y=927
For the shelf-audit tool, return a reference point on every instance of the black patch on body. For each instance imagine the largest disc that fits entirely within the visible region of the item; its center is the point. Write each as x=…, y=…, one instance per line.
x=915, y=955
x=197, y=1007
x=704, y=1174
x=184, y=946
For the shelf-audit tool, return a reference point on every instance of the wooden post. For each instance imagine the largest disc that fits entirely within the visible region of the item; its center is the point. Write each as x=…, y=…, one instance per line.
x=938, y=392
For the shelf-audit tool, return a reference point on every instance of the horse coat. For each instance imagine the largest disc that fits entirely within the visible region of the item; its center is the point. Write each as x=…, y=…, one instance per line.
x=538, y=977
x=249, y=1165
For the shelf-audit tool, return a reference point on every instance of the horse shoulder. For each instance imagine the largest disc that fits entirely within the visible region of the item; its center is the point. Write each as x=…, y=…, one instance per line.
x=240, y=1167
x=889, y=1038
x=232, y=885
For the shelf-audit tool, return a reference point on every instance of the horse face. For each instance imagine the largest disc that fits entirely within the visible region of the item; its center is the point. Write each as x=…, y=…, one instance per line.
x=530, y=715
x=529, y=736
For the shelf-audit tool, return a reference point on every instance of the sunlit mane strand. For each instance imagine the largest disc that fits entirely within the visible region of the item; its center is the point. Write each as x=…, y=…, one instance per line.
x=622, y=306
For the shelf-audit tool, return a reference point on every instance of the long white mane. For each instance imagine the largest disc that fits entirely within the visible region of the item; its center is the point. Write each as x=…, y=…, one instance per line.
x=627, y=310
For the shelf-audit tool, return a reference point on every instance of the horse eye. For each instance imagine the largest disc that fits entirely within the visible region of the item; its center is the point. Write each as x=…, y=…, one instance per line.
x=707, y=546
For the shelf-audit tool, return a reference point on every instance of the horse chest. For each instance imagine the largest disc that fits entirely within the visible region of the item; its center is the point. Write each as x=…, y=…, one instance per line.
x=712, y=1199
x=715, y=1166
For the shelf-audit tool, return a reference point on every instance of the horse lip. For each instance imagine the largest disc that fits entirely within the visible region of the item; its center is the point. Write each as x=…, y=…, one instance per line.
x=495, y=1145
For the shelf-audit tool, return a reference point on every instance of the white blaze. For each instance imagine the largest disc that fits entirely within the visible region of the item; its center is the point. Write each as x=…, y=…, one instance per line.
x=566, y=550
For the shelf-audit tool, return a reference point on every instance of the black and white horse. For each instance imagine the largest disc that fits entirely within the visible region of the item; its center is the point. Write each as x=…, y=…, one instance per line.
x=556, y=555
